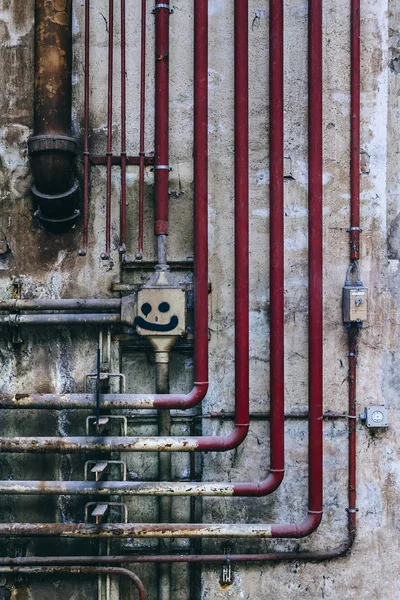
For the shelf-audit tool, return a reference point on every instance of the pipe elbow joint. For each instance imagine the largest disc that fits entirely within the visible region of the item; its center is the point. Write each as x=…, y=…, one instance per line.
x=56, y=189
x=310, y=523
x=236, y=438
x=271, y=483
x=196, y=395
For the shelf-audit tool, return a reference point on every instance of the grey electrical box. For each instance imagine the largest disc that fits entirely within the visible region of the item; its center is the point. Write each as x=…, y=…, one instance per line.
x=355, y=304
x=375, y=416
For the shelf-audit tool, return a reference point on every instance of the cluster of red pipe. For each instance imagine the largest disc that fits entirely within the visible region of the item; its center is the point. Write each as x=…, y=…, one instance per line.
x=315, y=505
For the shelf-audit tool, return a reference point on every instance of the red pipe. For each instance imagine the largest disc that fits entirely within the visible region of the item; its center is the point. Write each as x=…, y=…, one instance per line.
x=142, y=127
x=276, y=237
x=161, y=166
x=86, y=162
x=355, y=133
x=315, y=251
x=109, y=125
x=123, y=129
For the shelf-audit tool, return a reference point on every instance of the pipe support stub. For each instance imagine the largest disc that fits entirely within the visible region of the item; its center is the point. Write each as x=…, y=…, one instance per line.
x=57, y=225
x=51, y=143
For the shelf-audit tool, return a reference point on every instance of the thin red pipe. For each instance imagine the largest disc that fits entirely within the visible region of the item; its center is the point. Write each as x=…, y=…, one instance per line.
x=161, y=142
x=86, y=162
x=109, y=124
x=241, y=112
x=276, y=236
x=315, y=252
x=355, y=133
x=142, y=127
x=123, y=128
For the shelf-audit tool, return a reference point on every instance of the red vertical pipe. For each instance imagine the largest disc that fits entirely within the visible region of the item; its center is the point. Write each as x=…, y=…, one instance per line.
x=241, y=76
x=161, y=158
x=277, y=362
x=123, y=129
x=315, y=250
x=142, y=126
x=109, y=124
x=352, y=493
x=86, y=131
x=355, y=133
x=201, y=189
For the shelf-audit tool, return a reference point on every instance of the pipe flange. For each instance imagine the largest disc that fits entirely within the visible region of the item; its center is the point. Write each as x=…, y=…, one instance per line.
x=69, y=194
x=57, y=225
x=52, y=142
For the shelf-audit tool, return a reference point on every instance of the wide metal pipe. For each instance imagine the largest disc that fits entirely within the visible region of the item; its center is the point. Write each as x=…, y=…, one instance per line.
x=78, y=570
x=60, y=319
x=123, y=443
x=78, y=304
x=161, y=109
x=162, y=530
x=52, y=149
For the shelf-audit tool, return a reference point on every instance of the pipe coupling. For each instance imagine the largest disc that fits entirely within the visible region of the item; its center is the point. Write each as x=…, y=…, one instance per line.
x=56, y=190
x=51, y=143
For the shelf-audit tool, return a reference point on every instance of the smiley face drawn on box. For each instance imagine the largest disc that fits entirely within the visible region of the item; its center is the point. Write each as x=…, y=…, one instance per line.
x=161, y=311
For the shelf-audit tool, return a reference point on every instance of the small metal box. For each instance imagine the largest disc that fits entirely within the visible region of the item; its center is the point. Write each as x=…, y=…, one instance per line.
x=161, y=312
x=355, y=304
x=375, y=416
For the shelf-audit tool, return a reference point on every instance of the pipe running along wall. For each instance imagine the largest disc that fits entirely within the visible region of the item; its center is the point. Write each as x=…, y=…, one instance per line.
x=273, y=556
x=52, y=150
x=315, y=345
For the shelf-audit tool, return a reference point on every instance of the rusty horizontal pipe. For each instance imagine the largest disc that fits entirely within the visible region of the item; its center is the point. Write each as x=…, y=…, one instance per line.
x=120, y=488
x=108, y=401
x=61, y=304
x=77, y=570
x=311, y=555
x=163, y=530
x=123, y=443
x=60, y=319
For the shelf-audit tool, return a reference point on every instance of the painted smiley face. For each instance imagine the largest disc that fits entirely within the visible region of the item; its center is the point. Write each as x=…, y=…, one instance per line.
x=163, y=308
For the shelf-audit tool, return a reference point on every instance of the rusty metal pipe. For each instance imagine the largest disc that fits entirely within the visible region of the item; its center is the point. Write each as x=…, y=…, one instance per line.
x=60, y=319
x=79, y=304
x=52, y=149
x=78, y=570
x=122, y=443
x=162, y=530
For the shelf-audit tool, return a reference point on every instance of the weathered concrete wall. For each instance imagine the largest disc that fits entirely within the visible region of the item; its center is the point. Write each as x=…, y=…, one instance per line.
x=49, y=266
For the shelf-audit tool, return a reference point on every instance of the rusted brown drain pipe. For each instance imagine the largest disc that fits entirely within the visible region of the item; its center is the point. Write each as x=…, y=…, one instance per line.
x=52, y=149
x=78, y=570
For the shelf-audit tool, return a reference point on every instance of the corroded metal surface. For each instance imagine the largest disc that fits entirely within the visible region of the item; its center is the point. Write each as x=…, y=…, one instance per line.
x=137, y=530
x=123, y=488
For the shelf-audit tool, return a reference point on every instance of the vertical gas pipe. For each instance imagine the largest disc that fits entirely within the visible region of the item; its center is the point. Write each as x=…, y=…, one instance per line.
x=241, y=115
x=315, y=251
x=106, y=254
x=122, y=241
x=142, y=126
x=86, y=164
x=161, y=150
x=200, y=166
x=52, y=149
x=354, y=256
x=276, y=237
